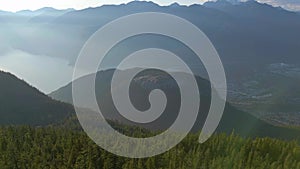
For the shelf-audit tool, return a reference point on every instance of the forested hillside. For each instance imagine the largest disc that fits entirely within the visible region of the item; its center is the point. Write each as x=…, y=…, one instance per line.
x=241, y=122
x=22, y=104
x=25, y=147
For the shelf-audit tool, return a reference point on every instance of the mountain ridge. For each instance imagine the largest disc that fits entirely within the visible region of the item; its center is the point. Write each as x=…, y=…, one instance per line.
x=233, y=120
x=22, y=104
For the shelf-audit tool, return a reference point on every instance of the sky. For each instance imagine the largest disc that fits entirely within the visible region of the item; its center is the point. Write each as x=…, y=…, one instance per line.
x=16, y=5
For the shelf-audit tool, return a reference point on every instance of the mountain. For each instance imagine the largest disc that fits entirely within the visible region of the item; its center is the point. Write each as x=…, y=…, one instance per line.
x=249, y=37
x=219, y=4
x=46, y=15
x=22, y=104
x=242, y=33
x=250, y=9
x=9, y=18
x=234, y=1
x=46, y=11
x=235, y=120
x=78, y=26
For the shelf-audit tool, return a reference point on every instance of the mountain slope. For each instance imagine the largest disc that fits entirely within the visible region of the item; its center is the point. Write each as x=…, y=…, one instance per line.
x=242, y=33
x=46, y=15
x=21, y=104
x=233, y=120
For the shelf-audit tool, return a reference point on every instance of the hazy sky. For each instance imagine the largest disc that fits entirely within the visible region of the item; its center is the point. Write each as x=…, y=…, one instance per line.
x=16, y=5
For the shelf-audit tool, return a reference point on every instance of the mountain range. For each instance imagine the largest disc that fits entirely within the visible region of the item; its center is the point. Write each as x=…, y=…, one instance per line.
x=254, y=40
x=22, y=104
x=233, y=119
x=241, y=33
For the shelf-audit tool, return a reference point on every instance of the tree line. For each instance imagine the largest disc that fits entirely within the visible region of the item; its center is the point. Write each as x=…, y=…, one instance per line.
x=57, y=148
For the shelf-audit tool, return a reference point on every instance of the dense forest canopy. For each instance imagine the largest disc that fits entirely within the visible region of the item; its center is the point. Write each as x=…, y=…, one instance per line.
x=26, y=147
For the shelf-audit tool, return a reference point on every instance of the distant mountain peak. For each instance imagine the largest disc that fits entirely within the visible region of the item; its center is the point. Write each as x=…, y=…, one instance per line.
x=175, y=4
x=251, y=2
x=225, y=5
x=228, y=1
x=138, y=2
x=46, y=9
x=218, y=4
